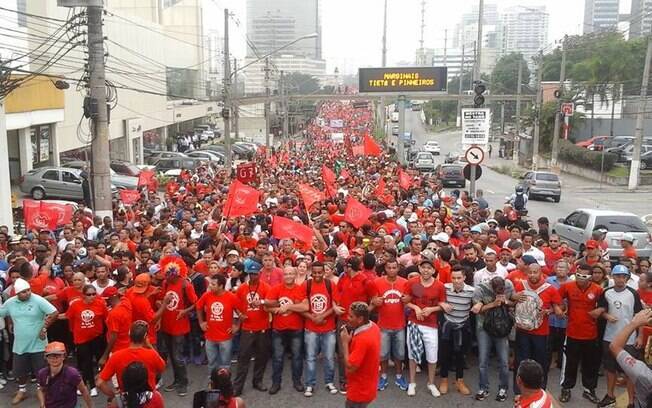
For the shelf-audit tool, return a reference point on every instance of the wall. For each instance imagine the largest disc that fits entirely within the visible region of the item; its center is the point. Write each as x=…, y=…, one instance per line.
x=601, y=127
x=38, y=94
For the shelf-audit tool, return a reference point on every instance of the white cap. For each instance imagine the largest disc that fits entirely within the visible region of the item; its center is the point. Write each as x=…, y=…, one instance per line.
x=441, y=237
x=628, y=237
x=490, y=220
x=20, y=285
x=233, y=252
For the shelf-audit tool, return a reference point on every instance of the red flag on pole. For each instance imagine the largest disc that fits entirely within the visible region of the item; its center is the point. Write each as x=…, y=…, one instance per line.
x=63, y=211
x=129, y=196
x=404, y=180
x=39, y=217
x=371, y=148
x=356, y=213
x=241, y=200
x=283, y=228
x=328, y=175
x=172, y=187
x=147, y=178
x=310, y=195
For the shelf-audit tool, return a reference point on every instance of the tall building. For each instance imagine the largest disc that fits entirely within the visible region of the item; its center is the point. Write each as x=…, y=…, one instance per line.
x=600, y=15
x=640, y=23
x=466, y=31
x=523, y=30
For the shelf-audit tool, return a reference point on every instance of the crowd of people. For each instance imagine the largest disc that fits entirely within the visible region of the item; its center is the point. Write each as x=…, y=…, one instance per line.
x=382, y=275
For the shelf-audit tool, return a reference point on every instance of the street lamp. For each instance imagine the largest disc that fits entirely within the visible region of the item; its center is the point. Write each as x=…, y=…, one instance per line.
x=296, y=40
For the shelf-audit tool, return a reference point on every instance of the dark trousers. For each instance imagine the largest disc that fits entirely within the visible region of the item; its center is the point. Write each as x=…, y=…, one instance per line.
x=586, y=353
x=252, y=344
x=556, y=340
x=451, y=358
x=88, y=355
x=172, y=348
x=533, y=347
x=341, y=367
x=351, y=404
x=282, y=339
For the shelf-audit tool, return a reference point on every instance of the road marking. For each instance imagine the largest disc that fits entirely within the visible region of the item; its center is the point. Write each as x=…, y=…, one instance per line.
x=491, y=192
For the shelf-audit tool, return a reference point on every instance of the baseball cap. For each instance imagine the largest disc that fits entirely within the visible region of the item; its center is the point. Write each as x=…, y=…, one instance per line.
x=154, y=269
x=233, y=252
x=426, y=261
x=212, y=226
x=110, y=292
x=252, y=266
x=592, y=244
x=55, y=347
x=476, y=229
x=620, y=270
x=528, y=259
x=428, y=254
x=505, y=249
x=141, y=283
x=21, y=285
x=490, y=220
x=627, y=237
x=441, y=237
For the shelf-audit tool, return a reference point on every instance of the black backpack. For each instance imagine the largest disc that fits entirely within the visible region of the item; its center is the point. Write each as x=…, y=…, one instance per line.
x=519, y=202
x=498, y=322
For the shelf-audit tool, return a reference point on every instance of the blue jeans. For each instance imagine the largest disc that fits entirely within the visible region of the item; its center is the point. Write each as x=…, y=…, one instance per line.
x=392, y=344
x=218, y=354
x=531, y=346
x=280, y=340
x=485, y=342
x=316, y=343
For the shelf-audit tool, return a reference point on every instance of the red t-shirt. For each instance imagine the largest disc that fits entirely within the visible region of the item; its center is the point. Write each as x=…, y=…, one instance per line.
x=287, y=296
x=443, y=271
x=391, y=314
x=68, y=294
x=319, y=302
x=364, y=353
x=581, y=326
x=142, y=310
x=119, y=360
x=550, y=296
x=425, y=297
x=539, y=399
x=218, y=313
x=257, y=318
x=516, y=275
x=54, y=286
x=37, y=283
x=271, y=277
x=551, y=257
x=87, y=320
x=169, y=322
x=356, y=289
x=119, y=321
x=630, y=252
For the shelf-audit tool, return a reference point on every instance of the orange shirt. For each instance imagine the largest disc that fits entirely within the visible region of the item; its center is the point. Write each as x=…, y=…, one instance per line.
x=364, y=353
x=630, y=252
x=119, y=321
x=257, y=318
x=218, y=313
x=37, y=283
x=119, y=360
x=287, y=296
x=87, y=320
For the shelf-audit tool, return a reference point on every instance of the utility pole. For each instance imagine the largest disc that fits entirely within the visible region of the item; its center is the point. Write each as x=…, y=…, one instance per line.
x=226, y=110
x=517, y=136
x=284, y=104
x=267, y=103
x=535, y=137
x=445, y=48
x=562, y=78
x=236, y=108
x=382, y=113
x=400, y=145
x=478, y=52
x=459, y=91
x=640, y=116
x=100, y=171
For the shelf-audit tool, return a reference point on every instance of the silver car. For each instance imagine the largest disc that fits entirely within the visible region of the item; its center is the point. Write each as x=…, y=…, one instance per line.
x=578, y=227
x=121, y=181
x=62, y=182
x=542, y=184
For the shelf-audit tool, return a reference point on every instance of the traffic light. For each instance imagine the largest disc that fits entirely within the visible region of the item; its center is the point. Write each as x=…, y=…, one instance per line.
x=479, y=88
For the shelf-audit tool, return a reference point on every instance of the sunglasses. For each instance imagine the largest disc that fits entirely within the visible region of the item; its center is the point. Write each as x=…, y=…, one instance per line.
x=91, y=294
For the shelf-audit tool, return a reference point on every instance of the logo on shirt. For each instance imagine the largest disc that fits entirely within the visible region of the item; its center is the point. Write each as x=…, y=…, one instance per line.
x=87, y=317
x=318, y=303
x=174, y=303
x=217, y=309
x=392, y=297
x=591, y=296
x=251, y=298
x=618, y=304
x=284, y=301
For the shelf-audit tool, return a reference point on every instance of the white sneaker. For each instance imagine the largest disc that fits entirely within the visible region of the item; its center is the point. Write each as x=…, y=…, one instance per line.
x=331, y=388
x=308, y=392
x=412, y=390
x=434, y=391
x=3, y=381
x=94, y=392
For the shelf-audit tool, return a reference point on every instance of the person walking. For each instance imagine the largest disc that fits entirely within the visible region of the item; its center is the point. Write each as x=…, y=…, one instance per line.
x=58, y=382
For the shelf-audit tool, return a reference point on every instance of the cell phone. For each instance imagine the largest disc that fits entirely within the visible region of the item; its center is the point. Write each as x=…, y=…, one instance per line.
x=213, y=398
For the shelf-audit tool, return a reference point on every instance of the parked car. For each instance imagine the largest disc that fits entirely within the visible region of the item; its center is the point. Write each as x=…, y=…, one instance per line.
x=118, y=180
x=578, y=226
x=172, y=166
x=432, y=147
x=156, y=155
x=61, y=182
x=424, y=161
x=541, y=184
x=451, y=174
x=617, y=142
x=125, y=168
x=592, y=141
x=210, y=155
x=646, y=160
x=626, y=151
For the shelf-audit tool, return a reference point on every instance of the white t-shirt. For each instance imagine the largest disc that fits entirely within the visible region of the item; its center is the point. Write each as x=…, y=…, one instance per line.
x=484, y=276
x=537, y=254
x=99, y=289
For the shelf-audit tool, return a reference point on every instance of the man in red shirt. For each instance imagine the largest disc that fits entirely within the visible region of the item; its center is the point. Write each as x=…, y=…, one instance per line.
x=141, y=296
x=391, y=320
x=286, y=302
x=215, y=315
x=270, y=274
x=530, y=379
x=582, y=346
x=427, y=297
x=255, y=340
x=532, y=341
x=360, y=340
x=118, y=322
x=553, y=253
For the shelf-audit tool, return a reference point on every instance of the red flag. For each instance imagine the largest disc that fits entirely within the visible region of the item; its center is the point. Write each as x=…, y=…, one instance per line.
x=37, y=217
x=345, y=173
x=310, y=195
x=328, y=175
x=356, y=213
x=404, y=180
x=129, y=196
x=371, y=148
x=147, y=178
x=357, y=150
x=172, y=187
x=241, y=200
x=283, y=228
x=63, y=211
x=380, y=188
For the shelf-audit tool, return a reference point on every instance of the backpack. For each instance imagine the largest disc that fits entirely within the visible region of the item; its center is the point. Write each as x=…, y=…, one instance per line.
x=529, y=313
x=519, y=202
x=498, y=322
x=329, y=289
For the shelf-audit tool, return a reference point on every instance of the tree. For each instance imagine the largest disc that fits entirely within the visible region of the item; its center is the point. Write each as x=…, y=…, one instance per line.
x=302, y=84
x=504, y=77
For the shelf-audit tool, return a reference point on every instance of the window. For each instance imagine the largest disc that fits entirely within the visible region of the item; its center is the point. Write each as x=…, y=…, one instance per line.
x=547, y=177
x=51, y=175
x=620, y=223
x=572, y=219
x=582, y=220
x=68, y=177
x=21, y=8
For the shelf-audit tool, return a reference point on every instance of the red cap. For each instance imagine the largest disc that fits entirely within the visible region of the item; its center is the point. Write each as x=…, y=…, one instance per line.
x=56, y=347
x=212, y=226
x=592, y=244
x=110, y=292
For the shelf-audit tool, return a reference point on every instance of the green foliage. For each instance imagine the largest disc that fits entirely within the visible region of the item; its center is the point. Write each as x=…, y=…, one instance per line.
x=547, y=124
x=504, y=77
x=301, y=83
x=570, y=153
x=445, y=111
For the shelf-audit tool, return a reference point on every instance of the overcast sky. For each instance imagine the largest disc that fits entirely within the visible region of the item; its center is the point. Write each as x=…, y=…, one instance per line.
x=352, y=29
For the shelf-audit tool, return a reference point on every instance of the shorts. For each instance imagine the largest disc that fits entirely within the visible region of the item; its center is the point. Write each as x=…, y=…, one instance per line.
x=430, y=343
x=28, y=363
x=392, y=344
x=609, y=361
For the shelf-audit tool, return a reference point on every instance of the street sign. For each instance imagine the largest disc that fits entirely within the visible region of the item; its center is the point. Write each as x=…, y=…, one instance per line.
x=467, y=171
x=474, y=155
x=403, y=79
x=476, y=125
x=567, y=109
x=246, y=172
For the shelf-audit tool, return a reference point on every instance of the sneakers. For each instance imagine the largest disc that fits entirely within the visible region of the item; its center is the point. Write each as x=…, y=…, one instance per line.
x=159, y=384
x=308, y=392
x=382, y=383
x=502, y=395
x=607, y=401
x=19, y=397
x=589, y=395
x=3, y=381
x=94, y=392
x=331, y=388
x=434, y=391
x=182, y=390
x=462, y=388
x=481, y=395
x=343, y=388
x=412, y=390
x=170, y=387
x=401, y=383
x=443, y=386
x=566, y=395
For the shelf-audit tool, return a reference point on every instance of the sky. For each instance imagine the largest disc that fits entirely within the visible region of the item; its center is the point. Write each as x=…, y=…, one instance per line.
x=352, y=29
